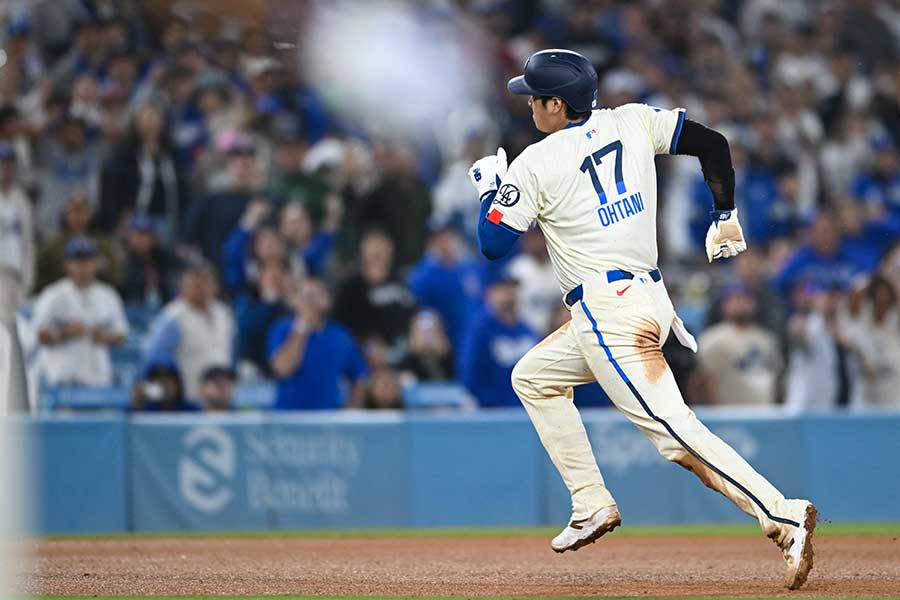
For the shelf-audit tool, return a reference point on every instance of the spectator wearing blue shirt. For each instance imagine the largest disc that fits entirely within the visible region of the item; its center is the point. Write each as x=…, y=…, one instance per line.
x=880, y=185
x=71, y=163
x=226, y=57
x=83, y=53
x=769, y=186
x=766, y=196
x=256, y=311
x=308, y=248
x=212, y=219
x=446, y=283
x=869, y=239
x=495, y=341
x=251, y=246
x=760, y=201
x=194, y=128
x=310, y=354
x=824, y=258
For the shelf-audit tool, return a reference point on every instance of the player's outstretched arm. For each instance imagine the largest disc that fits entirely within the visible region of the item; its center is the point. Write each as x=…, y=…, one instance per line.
x=494, y=239
x=725, y=237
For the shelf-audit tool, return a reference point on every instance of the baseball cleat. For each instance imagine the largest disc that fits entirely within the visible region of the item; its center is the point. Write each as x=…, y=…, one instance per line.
x=798, y=549
x=587, y=531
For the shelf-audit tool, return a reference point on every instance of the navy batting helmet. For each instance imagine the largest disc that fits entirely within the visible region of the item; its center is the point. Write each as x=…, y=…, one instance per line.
x=562, y=73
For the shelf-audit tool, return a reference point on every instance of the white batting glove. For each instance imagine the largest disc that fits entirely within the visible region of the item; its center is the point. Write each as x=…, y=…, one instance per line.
x=725, y=237
x=487, y=172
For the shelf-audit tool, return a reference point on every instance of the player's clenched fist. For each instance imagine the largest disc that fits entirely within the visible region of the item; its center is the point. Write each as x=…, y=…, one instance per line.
x=487, y=172
x=725, y=237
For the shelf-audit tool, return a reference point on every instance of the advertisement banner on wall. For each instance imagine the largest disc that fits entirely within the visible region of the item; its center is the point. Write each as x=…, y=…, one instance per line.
x=219, y=473
x=189, y=474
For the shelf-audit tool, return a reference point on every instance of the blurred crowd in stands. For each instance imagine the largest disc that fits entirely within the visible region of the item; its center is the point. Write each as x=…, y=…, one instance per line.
x=171, y=183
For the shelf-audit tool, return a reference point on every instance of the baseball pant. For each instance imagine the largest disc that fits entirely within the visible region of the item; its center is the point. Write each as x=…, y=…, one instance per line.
x=615, y=337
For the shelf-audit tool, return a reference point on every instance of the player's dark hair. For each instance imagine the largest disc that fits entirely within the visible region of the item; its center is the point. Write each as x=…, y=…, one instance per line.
x=571, y=113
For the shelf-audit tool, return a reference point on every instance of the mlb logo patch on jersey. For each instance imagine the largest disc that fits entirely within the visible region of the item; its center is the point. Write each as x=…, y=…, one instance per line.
x=591, y=133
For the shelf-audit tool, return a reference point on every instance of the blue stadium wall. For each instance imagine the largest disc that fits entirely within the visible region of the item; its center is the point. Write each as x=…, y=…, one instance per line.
x=346, y=471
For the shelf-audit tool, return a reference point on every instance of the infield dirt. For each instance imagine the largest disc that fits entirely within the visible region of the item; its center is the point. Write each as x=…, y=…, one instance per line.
x=524, y=566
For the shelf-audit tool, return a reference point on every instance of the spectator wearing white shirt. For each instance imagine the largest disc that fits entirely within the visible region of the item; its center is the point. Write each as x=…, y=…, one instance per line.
x=874, y=325
x=13, y=381
x=195, y=330
x=822, y=368
x=740, y=360
x=16, y=220
x=77, y=319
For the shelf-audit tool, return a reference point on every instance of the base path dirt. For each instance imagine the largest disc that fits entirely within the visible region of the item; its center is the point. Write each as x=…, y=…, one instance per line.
x=479, y=566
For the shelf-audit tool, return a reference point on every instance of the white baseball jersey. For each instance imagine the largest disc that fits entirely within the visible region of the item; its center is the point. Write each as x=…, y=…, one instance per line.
x=592, y=189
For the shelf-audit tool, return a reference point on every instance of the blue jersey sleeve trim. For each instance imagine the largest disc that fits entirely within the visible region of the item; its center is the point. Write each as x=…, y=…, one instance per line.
x=674, y=145
x=507, y=228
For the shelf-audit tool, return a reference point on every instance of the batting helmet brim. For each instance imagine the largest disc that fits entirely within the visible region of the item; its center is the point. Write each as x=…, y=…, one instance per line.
x=517, y=85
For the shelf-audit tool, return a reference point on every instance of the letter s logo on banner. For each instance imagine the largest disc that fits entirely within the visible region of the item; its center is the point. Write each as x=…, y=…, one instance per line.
x=206, y=467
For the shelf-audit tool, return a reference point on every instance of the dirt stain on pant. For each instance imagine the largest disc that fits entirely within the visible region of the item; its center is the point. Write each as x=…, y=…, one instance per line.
x=646, y=342
x=690, y=462
x=711, y=479
x=555, y=335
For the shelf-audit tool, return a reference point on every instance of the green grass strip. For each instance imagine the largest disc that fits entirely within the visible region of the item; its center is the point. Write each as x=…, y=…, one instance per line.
x=892, y=528
x=416, y=597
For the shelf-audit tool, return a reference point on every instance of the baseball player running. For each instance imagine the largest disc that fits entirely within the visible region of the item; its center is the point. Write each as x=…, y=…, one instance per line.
x=591, y=186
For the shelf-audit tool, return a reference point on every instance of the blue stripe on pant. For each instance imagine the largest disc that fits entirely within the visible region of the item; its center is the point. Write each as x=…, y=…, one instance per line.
x=671, y=431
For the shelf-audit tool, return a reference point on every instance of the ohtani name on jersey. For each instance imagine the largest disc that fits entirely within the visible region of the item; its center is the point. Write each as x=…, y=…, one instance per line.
x=621, y=209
